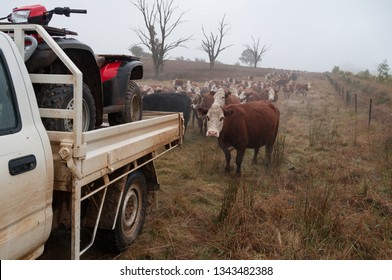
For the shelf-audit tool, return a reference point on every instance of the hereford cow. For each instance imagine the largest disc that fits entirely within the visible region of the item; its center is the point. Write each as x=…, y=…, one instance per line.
x=288, y=90
x=178, y=83
x=231, y=99
x=204, y=101
x=270, y=94
x=302, y=88
x=223, y=97
x=248, y=125
x=196, y=101
x=281, y=83
x=220, y=97
x=169, y=102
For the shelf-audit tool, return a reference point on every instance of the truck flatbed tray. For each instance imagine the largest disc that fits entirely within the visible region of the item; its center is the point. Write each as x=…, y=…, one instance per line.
x=110, y=148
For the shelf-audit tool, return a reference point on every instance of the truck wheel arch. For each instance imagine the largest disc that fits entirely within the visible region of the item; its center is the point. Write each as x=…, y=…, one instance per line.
x=87, y=64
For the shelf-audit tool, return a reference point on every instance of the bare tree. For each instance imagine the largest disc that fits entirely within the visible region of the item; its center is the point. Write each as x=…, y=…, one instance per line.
x=212, y=43
x=255, y=52
x=160, y=23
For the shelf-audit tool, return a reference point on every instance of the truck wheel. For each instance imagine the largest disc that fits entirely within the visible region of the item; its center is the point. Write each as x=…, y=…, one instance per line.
x=132, y=211
x=133, y=107
x=61, y=97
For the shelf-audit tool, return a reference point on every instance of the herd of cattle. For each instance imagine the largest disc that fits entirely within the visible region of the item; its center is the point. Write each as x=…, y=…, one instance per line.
x=240, y=115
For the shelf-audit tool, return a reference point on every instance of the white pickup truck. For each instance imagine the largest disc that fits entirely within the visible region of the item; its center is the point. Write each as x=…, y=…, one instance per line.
x=99, y=179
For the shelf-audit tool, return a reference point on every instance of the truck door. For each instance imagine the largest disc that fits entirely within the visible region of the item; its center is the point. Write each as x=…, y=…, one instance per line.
x=26, y=167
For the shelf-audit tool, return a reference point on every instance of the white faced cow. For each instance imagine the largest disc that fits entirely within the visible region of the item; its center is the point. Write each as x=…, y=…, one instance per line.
x=220, y=97
x=248, y=125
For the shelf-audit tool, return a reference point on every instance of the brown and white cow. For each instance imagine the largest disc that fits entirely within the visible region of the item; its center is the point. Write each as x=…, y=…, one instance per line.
x=302, y=88
x=272, y=94
x=288, y=90
x=248, y=95
x=248, y=125
x=203, y=101
x=178, y=83
x=224, y=97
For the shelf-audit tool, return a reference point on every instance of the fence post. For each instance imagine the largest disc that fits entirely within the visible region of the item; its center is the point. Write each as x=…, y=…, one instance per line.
x=355, y=103
x=347, y=98
x=370, y=111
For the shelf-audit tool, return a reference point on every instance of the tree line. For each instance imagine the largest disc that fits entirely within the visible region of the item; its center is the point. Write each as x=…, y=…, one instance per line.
x=382, y=72
x=160, y=20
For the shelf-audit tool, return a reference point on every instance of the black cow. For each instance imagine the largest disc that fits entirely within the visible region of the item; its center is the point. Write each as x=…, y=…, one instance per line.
x=169, y=102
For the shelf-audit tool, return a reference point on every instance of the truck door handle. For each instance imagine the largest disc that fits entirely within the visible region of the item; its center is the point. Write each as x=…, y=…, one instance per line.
x=22, y=164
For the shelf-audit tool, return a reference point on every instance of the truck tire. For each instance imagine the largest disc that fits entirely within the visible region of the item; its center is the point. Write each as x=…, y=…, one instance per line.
x=132, y=211
x=133, y=107
x=61, y=97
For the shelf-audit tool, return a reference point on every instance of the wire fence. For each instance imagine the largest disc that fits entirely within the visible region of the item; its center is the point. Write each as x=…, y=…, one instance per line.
x=363, y=105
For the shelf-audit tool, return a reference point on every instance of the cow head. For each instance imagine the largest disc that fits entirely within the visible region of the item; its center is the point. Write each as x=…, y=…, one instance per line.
x=196, y=101
x=215, y=117
x=213, y=87
x=242, y=96
x=271, y=94
x=220, y=97
x=234, y=90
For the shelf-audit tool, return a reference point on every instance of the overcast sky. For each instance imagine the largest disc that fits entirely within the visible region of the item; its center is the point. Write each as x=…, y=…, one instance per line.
x=311, y=35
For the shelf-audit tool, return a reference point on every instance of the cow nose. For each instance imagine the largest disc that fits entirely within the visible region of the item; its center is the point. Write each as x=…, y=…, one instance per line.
x=212, y=133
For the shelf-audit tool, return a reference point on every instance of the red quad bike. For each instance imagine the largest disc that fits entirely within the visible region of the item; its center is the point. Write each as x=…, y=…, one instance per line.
x=108, y=86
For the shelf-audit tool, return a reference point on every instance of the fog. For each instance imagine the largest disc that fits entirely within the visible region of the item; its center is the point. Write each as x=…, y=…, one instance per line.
x=310, y=35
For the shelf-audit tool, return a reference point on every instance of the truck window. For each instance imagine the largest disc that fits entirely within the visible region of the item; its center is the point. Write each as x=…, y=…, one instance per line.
x=9, y=119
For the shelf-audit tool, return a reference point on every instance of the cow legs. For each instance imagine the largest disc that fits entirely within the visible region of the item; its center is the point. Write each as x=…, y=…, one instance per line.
x=200, y=123
x=203, y=126
x=194, y=112
x=238, y=160
x=228, y=159
x=268, y=153
x=227, y=153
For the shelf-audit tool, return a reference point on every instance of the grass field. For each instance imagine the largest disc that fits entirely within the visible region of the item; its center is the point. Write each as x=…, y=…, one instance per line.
x=327, y=196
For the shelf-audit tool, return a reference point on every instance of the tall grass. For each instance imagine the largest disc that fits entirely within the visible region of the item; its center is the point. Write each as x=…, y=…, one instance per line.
x=278, y=152
x=238, y=199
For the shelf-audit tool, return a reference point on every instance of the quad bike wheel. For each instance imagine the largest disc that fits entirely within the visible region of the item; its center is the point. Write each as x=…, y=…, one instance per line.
x=133, y=107
x=132, y=211
x=61, y=97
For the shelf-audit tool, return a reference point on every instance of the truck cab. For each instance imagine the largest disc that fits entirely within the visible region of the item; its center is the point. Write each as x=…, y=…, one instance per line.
x=26, y=184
